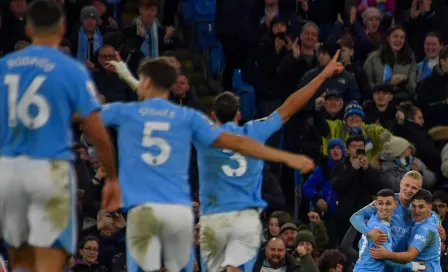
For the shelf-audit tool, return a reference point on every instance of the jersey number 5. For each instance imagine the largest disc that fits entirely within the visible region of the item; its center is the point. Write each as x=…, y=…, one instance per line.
x=148, y=141
x=30, y=97
x=235, y=172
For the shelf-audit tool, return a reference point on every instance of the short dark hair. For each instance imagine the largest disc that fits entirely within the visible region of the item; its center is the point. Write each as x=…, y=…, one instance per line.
x=225, y=106
x=443, y=54
x=45, y=15
x=346, y=42
x=65, y=43
x=423, y=194
x=354, y=138
x=385, y=193
x=330, y=259
x=86, y=239
x=163, y=71
x=114, y=39
x=435, y=35
x=440, y=195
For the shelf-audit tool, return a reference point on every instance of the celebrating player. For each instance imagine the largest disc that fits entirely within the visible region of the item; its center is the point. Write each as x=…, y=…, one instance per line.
x=385, y=204
x=42, y=88
x=424, y=242
x=230, y=183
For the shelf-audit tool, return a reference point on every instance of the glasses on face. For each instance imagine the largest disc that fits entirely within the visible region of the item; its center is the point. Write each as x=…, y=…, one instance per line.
x=91, y=248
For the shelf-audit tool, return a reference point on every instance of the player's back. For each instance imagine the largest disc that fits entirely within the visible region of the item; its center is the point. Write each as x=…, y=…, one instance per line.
x=42, y=89
x=365, y=261
x=426, y=233
x=229, y=181
x=154, y=143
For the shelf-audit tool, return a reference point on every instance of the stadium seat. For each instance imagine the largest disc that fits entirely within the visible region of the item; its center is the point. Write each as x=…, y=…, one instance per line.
x=246, y=94
x=197, y=10
x=215, y=60
x=205, y=36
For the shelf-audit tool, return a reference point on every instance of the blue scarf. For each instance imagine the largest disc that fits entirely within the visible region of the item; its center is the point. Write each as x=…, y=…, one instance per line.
x=423, y=70
x=404, y=162
x=83, y=44
x=153, y=38
x=387, y=75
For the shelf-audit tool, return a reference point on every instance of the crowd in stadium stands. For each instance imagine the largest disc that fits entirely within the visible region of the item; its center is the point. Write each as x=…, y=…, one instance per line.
x=385, y=115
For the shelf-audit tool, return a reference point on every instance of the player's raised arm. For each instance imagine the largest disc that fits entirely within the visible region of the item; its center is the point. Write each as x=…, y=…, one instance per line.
x=251, y=148
x=300, y=98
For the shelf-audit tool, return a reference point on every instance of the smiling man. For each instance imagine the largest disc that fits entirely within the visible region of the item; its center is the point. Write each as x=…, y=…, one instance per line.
x=424, y=241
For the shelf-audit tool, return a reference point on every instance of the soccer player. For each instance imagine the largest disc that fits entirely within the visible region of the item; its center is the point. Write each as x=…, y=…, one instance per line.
x=385, y=204
x=230, y=183
x=154, y=139
x=401, y=222
x=424, y=242
x=42, y=88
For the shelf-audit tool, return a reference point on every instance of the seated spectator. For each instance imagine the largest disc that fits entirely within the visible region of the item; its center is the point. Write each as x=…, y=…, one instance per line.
x=146, y=33
x=393, y=64
x=411, y=127
x=88, y=260
x=183, y=93
x=397, y=159
x=275, y=258
x=381, y=110
x=344, y=82
x=432, y=95
x=351, y=125
x=107, y=82
x=88, y=39
x=432, y=45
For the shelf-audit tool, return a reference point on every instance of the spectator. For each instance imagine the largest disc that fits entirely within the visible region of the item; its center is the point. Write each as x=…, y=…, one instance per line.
x=332, y=260
x=411, y=128
x=88, y=252
x=89, y=37
x=381, y=110
x=351, y=125
x=387, y=7
x=397, y=159
x=432, y=45
x=275, y=258
x=393, y=64
x=354, y=181
x=107, y=82
x=183, y=93
x=440, y=203
x=13, y=25
x=368, y=37
x=344, y=82
x=433, y=93
x=273, y=9
x=332, y=103
x=106, y=22
x=288, y=234
x=146, y=33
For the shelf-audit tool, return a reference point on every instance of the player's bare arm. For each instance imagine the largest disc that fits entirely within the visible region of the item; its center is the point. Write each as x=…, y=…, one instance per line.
x=399, y=257
x=251, y=148
x=300, y=98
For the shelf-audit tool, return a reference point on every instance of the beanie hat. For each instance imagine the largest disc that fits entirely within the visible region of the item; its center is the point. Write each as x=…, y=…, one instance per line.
x=89, y=12
x=393, y=145
x=353, y=108
x=306, y=236
x=287, y=226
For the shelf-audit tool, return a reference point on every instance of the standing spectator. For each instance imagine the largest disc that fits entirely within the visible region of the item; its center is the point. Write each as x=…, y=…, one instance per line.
x=381, y=110
x=273, y=9
x=89, y=38
x=146, y=33
x=13, y=25
x=433, y=93
x=432, y=45
x=330, y=104
x=344, y=82
x=393, y=64
x=107, y=22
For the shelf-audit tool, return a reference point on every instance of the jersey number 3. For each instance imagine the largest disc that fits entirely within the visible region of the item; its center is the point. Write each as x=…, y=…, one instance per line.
x=20, y=110
x=242, y=165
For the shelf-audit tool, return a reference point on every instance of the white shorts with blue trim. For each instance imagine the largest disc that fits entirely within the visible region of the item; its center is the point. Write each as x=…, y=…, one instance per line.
x=230, y=239
x=155, y=229
x=38, y=203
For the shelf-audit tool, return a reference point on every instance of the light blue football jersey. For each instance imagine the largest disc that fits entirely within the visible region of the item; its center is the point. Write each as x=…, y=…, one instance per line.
x=154, y=143
x=365, y=261
x=425, y=238
x=41, y=90
x=229, y=181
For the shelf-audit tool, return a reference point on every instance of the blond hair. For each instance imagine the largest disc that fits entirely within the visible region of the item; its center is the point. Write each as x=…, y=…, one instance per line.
x=414, y=175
